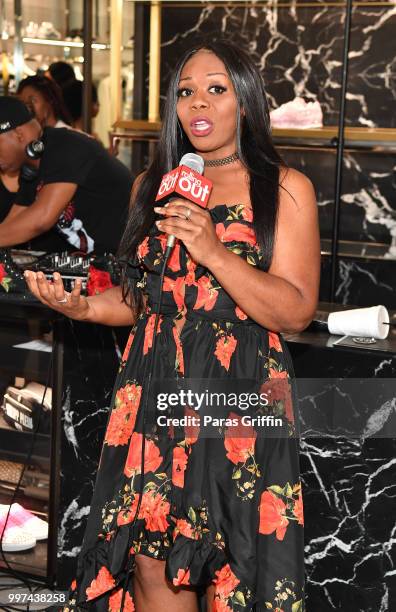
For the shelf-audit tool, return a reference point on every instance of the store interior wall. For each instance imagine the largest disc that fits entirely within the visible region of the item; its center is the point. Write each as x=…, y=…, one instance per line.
x=299, y=51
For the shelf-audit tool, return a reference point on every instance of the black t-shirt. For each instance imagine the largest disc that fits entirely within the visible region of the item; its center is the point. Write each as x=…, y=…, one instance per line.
x=95, y=218
x=7, y=199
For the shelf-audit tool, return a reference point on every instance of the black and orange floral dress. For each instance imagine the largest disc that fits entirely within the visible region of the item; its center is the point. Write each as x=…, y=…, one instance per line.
x=224, y=510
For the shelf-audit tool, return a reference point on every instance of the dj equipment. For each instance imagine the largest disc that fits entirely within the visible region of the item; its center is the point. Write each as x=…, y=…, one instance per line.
x=34, y=150
x=97, y=272
x=70, y=267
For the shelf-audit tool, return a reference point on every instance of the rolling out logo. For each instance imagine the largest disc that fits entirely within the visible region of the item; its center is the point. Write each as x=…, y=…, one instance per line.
x=185, y=183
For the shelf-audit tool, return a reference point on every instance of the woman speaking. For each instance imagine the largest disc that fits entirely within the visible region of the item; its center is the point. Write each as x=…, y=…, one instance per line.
x=217, y=515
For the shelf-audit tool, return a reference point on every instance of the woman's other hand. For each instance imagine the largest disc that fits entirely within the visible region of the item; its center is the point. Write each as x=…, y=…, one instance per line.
x=53, y=294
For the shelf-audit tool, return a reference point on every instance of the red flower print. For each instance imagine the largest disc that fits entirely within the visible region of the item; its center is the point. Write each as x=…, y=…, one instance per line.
x=103, y=582
x=274, y=342
x=123, y=416
x=239, y=441
x=116, y=599
x=177, y=288
x=236, y=232
x=98, y=281
x=278, y=389
x=225, y=347
x=2, y=273
x=152, y=456
x=128, y=346
x=178, y=466
x=192, y=431
x=149, y=333
x=272, y=515
x=127, y=516
x=207, y=295
x=174, y=259
x=276, y=374
x=247, y=213
x=298, y=510
x=184, y=528
x=240, y=314
x=189, y=279
x=225, y=581
x=154, y=510
x=219, y=605
x=179, y=351
x=183, y=577
x=143, y=248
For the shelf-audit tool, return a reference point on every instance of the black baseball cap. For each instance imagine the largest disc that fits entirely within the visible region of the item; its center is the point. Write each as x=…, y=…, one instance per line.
x=13, y=112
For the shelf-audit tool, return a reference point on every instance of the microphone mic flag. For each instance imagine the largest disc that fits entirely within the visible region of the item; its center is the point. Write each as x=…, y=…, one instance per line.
x=186, y=181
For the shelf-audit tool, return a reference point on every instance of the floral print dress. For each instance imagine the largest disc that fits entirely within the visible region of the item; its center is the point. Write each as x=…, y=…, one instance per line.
x=224, y=510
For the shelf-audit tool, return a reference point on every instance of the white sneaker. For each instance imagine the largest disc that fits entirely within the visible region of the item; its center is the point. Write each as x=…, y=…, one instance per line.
x=15, y=539
x=25, y=520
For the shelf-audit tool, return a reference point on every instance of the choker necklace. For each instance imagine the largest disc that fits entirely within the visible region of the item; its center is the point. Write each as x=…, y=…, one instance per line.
x=222, y=162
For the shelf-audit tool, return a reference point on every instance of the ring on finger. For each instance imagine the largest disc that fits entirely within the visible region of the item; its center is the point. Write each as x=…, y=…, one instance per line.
x=188, y=214
x=62, y=301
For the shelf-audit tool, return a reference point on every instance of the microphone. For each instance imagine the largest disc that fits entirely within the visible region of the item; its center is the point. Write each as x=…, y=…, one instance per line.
x=186, y=181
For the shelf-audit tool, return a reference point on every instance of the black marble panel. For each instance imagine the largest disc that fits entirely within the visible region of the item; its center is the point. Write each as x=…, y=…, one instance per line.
x=361, y=282
x=299, y=51
x=90, y=367
x=349, y=498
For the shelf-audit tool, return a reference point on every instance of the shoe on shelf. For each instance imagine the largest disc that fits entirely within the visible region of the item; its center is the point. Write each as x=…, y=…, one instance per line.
x=22, y=518
x=14, y=538
x=11, y=278
x=47, y=30
x=297, y=114
x=31, y=29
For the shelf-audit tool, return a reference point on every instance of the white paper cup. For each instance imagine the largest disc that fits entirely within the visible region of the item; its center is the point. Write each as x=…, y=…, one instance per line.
x=367, y=322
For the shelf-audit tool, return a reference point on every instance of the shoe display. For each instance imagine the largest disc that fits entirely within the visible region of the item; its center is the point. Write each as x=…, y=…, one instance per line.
x=31, y=29
x=22, y=518
x=47, y=30
x=13, y=538
x=297, y=114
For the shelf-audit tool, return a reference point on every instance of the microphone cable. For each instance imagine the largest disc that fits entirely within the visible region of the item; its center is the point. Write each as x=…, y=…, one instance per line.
x=130, y=563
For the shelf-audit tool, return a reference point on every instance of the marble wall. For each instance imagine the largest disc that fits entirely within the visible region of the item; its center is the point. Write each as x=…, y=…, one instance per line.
x=298, y=47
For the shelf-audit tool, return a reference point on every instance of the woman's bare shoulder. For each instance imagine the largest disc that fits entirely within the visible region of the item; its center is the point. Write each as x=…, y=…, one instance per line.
x=295, y=187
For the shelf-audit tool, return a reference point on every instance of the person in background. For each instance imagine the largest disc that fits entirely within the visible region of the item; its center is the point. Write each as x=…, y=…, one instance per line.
x=9, y=185
x=70, y=184
x=44, y=98
x=61, y=73
x=73, y=97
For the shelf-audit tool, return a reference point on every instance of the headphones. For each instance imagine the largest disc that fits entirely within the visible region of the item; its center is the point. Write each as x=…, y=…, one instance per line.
x=34, y=150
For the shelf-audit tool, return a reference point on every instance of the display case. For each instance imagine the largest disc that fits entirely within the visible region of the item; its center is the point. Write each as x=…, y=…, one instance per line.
x=31, y=366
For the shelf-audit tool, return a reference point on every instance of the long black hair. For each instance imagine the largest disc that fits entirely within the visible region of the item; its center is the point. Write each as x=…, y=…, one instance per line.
x=254, y=145
x=50, y=91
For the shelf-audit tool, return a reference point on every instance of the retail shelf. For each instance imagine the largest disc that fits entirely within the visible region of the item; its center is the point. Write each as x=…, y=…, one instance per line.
x=360, y=250
x=326, y=136
x=359, y=137
x=16, y=444
x=55, y=42
x=31, y=562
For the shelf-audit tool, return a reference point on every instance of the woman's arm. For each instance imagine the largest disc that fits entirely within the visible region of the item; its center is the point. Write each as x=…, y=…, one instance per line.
x=283, y=299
